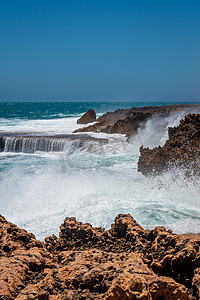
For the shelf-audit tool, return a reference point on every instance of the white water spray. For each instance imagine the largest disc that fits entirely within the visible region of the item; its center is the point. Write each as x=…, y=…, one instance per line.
x=95, y=184
x=155, y=131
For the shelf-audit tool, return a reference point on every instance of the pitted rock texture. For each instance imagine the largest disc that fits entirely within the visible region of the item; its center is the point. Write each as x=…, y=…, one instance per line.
x=84, y=262
x=127, y=121
x=22, y=259
x=182, y=149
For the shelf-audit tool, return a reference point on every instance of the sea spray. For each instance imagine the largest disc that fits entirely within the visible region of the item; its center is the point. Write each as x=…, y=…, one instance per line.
x=95, y=183
x=39, y=193
x=154, y=132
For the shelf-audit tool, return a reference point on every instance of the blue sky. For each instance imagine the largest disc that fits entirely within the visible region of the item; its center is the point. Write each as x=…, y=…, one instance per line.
x=99, y=50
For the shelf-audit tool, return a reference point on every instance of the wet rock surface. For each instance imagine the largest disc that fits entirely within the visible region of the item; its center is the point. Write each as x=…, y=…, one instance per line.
x=181, y=149
x=84, y=262
x=127, y=121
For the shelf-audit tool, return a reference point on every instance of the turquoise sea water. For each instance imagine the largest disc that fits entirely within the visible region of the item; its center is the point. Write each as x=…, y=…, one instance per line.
x=46, y=110
x=89, y=180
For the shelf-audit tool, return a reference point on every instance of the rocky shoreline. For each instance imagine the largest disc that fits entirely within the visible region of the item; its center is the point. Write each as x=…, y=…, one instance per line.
x=182, y=150
x=125, y=262
x=127, y=121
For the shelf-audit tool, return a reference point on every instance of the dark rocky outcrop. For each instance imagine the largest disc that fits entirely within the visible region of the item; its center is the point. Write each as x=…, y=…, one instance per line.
x=181, y=149
x=125, y=262
x=88, y=117
x=127, y=121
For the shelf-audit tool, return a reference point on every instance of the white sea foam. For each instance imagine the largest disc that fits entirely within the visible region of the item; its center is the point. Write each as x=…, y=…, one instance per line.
x=39, y=197
x=51, y=126
x=47, y=126
x=95, y=184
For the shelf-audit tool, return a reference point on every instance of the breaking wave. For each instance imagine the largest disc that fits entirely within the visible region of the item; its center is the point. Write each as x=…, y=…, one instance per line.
x=93, y=181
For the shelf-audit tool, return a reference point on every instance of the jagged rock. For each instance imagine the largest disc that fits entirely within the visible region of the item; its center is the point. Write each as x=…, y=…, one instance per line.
x=181, y=149
x=125, y=235
x=166, y=253
x=196, y=283
x=88, y=117
x=172, y=255
x=125, y=262
x=125, y=226
x=145, y=286
x=21, y=258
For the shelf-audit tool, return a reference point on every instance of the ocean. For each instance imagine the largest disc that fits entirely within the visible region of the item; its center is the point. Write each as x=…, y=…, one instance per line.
x=92, y=179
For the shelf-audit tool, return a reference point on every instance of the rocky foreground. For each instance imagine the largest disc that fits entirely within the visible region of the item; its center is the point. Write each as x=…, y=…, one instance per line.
x=125, y=262
x=182, y=149
x=127, y=121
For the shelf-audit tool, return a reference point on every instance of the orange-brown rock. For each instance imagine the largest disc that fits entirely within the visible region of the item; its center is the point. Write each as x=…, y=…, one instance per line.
x=84, y=262
x=136, y=285
x=196, y=283
x=88, y=117
x=127, y=121
x=181, y=149
x=22, y=259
